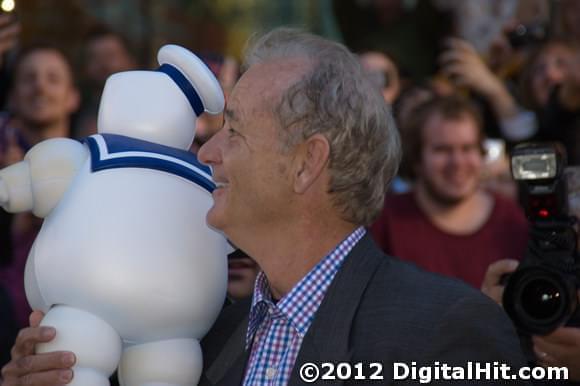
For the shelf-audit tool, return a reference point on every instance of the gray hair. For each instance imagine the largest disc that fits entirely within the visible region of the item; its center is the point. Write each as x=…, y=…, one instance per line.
x=336, y=99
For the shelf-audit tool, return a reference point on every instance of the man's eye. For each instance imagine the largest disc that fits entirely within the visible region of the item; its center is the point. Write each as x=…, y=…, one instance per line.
x=232, y=132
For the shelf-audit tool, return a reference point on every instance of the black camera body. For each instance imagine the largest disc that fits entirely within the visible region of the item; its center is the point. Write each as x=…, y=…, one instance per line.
x=525, y=35
x=542, y=294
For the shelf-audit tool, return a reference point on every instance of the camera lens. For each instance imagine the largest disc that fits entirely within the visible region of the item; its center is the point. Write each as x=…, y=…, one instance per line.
x=542, y=299
x=539, y=300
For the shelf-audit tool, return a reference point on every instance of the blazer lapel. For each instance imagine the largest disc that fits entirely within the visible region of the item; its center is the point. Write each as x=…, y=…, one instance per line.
x=327, y=339
x=229, y=367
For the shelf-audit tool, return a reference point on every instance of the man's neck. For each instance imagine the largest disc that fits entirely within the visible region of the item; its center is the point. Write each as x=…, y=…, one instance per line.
x=35, y=134
x=462, y=217
x=287, y=255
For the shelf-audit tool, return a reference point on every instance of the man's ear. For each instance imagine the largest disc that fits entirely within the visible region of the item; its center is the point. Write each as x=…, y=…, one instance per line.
x=310, y=162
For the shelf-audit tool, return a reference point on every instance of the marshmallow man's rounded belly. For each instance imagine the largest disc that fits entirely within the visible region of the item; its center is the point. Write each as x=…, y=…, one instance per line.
x=131, y=245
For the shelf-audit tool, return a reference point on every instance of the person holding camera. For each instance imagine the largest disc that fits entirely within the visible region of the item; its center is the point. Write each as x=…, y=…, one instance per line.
x=558, y=348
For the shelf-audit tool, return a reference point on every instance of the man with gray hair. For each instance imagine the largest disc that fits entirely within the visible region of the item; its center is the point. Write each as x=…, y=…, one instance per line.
x=301, y=165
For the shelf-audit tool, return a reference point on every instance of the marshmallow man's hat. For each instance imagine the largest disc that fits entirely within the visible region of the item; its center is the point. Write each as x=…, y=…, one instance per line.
x=161, y=106
x=197, y=82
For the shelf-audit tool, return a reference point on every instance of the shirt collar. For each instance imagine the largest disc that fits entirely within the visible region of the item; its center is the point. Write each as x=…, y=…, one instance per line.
x=300, y=304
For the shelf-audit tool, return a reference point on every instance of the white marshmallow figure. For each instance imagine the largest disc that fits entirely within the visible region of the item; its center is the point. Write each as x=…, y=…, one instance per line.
x=125, y=267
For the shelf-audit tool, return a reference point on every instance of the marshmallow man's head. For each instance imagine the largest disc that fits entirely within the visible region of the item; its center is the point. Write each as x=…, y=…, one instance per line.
x=161, y=106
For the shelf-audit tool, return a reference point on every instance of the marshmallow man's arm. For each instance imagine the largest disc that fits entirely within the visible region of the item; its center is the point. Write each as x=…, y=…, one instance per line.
x=38, y=182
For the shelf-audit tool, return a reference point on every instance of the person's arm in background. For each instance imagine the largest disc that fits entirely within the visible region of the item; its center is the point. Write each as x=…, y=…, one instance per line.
x=559, y=348
x=463, y=65
x=9, y=36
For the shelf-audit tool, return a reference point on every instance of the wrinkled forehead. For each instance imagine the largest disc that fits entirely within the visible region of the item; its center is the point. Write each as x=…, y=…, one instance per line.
x=261, y=87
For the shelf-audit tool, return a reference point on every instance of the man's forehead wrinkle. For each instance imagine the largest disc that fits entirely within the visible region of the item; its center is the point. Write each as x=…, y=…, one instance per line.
x=231, y=115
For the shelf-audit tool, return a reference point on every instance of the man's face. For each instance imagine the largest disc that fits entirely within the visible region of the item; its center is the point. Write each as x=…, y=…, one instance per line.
x=105, y=56
x=43, y=91
x=549, y=71
x=451, y=160
x=253, y=174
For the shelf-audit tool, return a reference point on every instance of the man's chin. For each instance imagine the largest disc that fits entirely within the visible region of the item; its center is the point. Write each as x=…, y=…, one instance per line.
x=214, y=219
x=451, y=198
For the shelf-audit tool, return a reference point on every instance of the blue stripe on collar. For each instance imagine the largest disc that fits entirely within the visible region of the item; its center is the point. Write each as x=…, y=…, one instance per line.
x=185, y=86
x=110, y=151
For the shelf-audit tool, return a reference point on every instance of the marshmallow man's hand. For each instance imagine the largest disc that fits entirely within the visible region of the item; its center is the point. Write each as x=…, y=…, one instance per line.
x=491, y=285
x=561, y=348
x=28, y=368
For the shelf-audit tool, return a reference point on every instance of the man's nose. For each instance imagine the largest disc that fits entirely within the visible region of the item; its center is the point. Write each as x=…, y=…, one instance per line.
x=39, y=84
x=456, y=157
x=209, y=152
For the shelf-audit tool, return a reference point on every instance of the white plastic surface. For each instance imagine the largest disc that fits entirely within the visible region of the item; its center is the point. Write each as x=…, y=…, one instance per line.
x=170, y=362
x=16, y=187
x=95, y=343
x=124, y=254
x=53, y=165
x=149, y=105
x=201, y=78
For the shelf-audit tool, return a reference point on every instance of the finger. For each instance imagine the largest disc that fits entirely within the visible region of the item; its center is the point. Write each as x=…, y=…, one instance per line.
x=28, y=337
x=10, y=32
x=456, y=72
x=461, y=45
x=35, y=318
x=57, y=360
x=5, y=19
x=557, y=351
x=547, y=361
x=451, y=56
x=501, y=267
x=45, y=378
x=494, y=292
x=567, y=336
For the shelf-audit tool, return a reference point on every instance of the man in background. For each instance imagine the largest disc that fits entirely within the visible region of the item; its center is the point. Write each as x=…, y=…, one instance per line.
x=42, y=98
x=105, y=53
x=448, y=224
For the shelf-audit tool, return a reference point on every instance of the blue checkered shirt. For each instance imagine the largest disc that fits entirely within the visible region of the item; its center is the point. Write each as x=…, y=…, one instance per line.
x=275, y=331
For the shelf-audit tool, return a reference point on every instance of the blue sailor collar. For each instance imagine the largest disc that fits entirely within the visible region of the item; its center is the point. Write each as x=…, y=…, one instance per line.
x=111, y=151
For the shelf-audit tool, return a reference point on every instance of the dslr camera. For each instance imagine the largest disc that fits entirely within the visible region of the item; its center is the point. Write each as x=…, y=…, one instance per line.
x=526, y=35
x=542, y=294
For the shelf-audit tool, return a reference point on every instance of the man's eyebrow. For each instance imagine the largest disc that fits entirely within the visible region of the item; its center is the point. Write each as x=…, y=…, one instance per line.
x=231, y=115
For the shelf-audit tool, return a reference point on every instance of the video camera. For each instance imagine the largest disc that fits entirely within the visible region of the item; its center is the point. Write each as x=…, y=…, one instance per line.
x=541, y=295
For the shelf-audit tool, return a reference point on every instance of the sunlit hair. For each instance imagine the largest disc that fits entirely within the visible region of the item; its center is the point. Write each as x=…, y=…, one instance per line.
x=335, y=98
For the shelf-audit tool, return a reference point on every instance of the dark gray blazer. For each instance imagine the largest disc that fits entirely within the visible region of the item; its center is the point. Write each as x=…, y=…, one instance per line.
x=379, y=309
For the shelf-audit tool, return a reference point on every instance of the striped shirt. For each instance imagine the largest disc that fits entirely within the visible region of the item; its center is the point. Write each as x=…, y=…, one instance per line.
x=276, y=330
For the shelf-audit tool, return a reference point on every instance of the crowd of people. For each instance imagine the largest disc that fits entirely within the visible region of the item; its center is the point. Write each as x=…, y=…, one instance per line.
x=316, y=276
